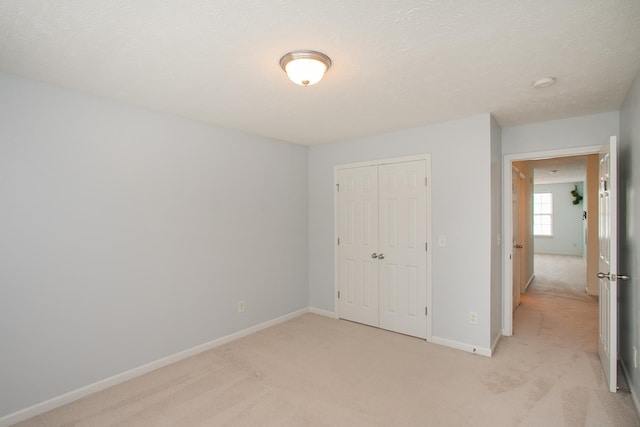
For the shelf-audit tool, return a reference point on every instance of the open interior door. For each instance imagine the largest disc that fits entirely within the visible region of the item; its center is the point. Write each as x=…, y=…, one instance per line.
x=608, y=263
x=515, y=257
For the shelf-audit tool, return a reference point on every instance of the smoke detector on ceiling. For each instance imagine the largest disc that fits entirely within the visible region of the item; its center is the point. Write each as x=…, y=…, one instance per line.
x=544, y=82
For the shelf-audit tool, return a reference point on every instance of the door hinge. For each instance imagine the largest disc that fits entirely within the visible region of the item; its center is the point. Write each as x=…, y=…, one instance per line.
x=338, y=187
x=426, y=248
x=426, y=311
x=338, y=294
x=425, y=181
x=338, y=241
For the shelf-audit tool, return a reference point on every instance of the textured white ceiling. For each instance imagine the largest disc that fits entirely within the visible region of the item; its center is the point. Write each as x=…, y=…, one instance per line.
x=568, y=169
x=396, y=64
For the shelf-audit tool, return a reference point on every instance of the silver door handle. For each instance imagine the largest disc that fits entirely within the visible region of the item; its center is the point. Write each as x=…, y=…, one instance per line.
x=620, y=277
x=381, y=256
x=613, y=277
x=374, y=255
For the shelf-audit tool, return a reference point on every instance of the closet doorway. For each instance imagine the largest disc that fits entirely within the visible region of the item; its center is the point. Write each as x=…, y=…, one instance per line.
x=383, y=219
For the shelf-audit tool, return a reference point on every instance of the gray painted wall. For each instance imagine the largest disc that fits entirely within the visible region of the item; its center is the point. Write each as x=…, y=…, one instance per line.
x=568, y=225
x=461, y=211
x=496, y=230
x=127, y=236
x=596, y=130
x=629, y=219
x=558, y=134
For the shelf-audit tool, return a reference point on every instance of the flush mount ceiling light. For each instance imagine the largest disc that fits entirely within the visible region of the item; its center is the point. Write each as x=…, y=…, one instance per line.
x=305, y=67
x=544, y=82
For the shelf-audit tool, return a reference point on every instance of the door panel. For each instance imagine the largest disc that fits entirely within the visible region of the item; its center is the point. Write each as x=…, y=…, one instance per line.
x=403, y=233
x=515, y=252
x=607, y=265
x=357, y=226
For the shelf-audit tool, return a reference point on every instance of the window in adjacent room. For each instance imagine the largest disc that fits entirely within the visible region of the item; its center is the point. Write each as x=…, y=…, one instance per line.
x=543, y=214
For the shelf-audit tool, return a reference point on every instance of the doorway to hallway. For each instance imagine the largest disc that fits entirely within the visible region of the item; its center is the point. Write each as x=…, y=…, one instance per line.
x=606, y=244
x=523, y=250
x=555, y=308
x=560, y=275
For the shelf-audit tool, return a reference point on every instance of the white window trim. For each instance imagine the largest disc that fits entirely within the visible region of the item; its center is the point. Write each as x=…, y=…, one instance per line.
x=550, y=215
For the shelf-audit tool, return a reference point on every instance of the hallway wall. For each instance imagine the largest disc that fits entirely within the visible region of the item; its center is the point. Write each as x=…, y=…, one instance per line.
x=629, y=221
x=568, y=225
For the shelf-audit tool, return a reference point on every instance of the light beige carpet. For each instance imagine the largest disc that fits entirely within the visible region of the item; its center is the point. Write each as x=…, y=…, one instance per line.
x=315, y=371
x=562, y=275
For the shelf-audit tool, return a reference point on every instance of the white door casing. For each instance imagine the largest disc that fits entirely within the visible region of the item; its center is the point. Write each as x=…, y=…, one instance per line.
x=515, y=259
x=507, y=220
x=607, y=264
x=402, y=242
x=358, y=234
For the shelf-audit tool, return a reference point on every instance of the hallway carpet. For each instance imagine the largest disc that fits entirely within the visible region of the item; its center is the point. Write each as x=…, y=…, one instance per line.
x=316, y=371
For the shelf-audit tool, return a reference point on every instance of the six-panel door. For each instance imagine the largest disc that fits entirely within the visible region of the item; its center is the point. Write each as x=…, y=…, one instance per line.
x=358, y=233
x=382, y=226
x=608, y=264
x=402, y=239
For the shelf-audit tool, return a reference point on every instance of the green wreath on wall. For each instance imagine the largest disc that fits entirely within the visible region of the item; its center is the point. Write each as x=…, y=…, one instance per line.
x=577, y=197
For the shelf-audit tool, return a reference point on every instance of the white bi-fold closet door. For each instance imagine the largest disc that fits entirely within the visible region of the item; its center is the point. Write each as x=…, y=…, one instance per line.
x=382, y=246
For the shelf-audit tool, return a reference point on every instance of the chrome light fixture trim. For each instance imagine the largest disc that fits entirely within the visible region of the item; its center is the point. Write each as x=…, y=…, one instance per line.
x=317, y=62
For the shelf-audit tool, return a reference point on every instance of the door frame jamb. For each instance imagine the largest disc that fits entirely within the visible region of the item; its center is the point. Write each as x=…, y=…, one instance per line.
x=507, y=221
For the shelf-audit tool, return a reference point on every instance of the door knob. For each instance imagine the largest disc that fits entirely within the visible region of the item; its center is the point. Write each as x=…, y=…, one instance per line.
x=374, y=255
x=519, y=246
x=381, y=256
x=613, y=277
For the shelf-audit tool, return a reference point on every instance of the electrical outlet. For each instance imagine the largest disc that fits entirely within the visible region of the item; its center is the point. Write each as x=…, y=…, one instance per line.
x=241, y=306
x=473, y=317
x=442, y=241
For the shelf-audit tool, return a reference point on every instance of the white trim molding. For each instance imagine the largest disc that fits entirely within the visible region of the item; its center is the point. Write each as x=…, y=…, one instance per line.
x=495, y=344
x=634, y=397
x=325, y=313
x=533, y=276
x=81, y=392
x=120, y=378
x=482, y=351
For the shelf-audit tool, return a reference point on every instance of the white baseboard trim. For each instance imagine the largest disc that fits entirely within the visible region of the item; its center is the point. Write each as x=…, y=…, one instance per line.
x=324, y=313
x=462, y=346
x=634, y=397
x=529, y=282
x=495, y=344
x=81, y=392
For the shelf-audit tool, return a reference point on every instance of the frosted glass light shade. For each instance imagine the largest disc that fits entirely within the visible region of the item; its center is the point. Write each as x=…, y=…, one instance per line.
x=305, y=67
